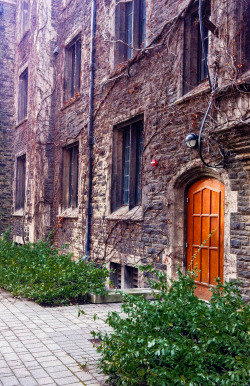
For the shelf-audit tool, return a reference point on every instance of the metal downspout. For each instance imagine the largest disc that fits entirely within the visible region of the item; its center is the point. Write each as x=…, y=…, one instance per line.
x=90, y=131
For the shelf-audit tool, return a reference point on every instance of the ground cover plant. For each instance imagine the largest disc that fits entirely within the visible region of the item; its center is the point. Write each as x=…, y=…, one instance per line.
x=41, y=273
x=178, y=339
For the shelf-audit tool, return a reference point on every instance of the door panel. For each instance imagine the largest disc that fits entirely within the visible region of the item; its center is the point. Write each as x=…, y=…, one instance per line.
x=205, y=214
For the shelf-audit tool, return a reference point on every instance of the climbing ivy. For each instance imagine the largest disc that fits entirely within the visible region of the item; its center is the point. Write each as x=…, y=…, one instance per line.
x=42, y=273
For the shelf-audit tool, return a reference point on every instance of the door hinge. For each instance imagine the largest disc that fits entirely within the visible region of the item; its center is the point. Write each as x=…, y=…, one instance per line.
x=187, y=199
x=186, y=245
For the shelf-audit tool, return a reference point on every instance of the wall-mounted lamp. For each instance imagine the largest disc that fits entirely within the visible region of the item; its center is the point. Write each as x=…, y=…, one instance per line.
x=192, y=140
x=195, y=141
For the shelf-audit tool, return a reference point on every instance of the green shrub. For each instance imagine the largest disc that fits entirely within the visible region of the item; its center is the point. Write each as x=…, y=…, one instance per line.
x=39, y=272
x=178, y=339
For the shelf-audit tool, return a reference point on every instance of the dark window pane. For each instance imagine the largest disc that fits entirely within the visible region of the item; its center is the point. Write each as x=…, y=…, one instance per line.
x=126, y=164
x=20, y=182
x=23, y=96
x=139, y=150
x=78, y=66
x=25, y=16
x=73, y=56
x=142, y=23
x=70, y=176
x=246, y=29
x=129, y=29
x=202, y=70
x=115, y=275
x=72, y=68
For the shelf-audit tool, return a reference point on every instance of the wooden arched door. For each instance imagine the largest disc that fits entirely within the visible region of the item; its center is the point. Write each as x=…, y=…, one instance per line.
x=205, y=214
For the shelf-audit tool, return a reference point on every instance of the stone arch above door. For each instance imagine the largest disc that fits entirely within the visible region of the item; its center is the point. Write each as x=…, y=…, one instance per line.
x=188, y=175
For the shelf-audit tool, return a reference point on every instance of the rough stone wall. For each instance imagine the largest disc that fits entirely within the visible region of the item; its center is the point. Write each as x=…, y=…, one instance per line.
x=71, y=126
x=34, y=135
x=7, y=52
x=149, y=85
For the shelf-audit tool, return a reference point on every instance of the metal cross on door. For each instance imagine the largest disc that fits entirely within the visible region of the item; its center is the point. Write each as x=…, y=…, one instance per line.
x=205, y=214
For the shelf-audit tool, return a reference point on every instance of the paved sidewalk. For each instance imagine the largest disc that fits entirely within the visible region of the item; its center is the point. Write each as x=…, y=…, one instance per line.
x=47, y=346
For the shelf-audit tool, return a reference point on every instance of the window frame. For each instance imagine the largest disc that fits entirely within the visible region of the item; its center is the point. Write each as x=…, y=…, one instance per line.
x=138, y=34
x=135, y=127
x=70, y=176
x=194, y=72
x=23, y=95
x=242, y=35
x=72, y=70
x=24, y=17
x=20, y=182
x=115, y=274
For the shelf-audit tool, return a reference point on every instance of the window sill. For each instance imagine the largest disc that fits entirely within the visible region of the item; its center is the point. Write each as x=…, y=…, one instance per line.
x=69, y=213
x=21, y=122
x=241, y=81
x=71, y=101
x=245, y=75
x=18, y=213
x=123, y=213
x=201, y=89
x=18, y=239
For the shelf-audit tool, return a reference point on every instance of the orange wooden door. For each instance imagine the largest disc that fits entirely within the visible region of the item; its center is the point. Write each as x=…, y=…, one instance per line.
x=205, y=214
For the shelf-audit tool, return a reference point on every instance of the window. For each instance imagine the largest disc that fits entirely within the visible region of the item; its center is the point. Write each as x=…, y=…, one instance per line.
x=70, y=176
x=127, y=273
x=130, y=28
x=20, y=182
x=115, y=275
x=126, y=174
x=195, y=70
x=242, y=39
x=23, y=96
x=130, y=277
x=24, y=16
x=72, y=68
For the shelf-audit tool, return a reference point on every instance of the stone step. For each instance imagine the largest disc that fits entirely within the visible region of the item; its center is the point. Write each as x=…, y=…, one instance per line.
x=115, y=296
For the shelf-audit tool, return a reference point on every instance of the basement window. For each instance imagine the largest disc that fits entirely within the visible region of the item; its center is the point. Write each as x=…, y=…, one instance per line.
x=20, y=182
x=130, y=28
x=126, y=171
x=130, y=277
x=72, y=78
x=115, y=275
x=70, y=176
x=23, y=96
x=194, y=67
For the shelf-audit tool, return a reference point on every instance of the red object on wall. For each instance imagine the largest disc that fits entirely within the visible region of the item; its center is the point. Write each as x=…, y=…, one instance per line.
x=154, y=162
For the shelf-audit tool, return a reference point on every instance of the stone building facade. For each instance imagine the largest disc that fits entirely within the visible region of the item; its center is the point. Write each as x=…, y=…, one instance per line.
x=105, y=94
x=7, y=68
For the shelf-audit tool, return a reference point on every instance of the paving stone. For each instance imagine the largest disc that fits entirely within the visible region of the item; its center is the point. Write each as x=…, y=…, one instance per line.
x=9, y=381
x=38, y=353
x=84, y=376
x=27, y=381
x=38, y=373
x=5, y=371
x=66, y=381
x=21, y=372
x=45, y=381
